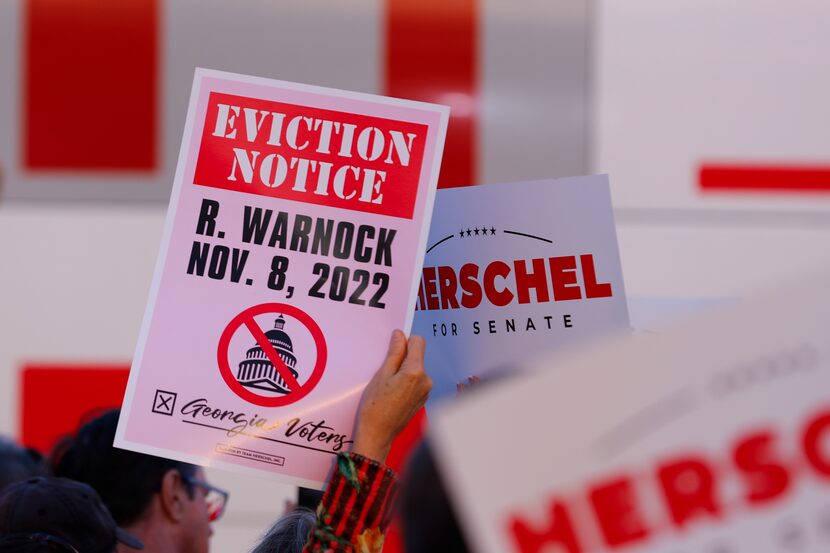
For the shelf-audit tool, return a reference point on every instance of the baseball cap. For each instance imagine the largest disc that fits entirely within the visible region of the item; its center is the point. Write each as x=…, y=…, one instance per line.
x=59, y=514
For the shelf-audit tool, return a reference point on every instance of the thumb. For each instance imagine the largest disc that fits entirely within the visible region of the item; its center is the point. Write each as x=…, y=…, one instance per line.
x=396, y=353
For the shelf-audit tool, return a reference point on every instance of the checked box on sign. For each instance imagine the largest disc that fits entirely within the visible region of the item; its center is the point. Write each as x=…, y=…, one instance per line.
x=164, y=403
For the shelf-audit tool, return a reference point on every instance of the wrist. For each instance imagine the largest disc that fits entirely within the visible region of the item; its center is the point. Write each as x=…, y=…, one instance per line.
x=371, y=449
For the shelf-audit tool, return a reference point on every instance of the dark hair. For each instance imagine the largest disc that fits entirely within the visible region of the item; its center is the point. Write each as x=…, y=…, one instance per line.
x=125, y=480
x=429, y=523
x=289, y=534
x=19, y=463
x=309, y=498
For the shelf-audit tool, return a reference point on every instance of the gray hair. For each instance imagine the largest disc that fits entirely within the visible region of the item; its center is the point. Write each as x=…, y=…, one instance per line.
x=289, y=534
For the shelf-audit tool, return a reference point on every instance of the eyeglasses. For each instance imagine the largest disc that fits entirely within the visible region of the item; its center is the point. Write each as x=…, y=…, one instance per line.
x=216, y=498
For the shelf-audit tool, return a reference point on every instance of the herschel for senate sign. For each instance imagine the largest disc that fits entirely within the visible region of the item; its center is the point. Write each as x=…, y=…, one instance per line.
x=516, y=270
x=292, y=248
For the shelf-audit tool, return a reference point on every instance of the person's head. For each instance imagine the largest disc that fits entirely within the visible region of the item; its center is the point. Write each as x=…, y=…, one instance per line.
x=161, y=500
x=56, y=514
x=428, y=521
x=18, y=463
x=289, y=534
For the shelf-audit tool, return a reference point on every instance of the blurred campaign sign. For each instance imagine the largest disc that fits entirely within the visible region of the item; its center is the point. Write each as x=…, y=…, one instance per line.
x=712, y=437
x=293, y=241
x=514, y=270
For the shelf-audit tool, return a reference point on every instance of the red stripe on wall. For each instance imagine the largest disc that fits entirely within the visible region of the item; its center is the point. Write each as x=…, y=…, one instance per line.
x=57, y=399
x=432, y=56
x=90, y=84
x=765, y=178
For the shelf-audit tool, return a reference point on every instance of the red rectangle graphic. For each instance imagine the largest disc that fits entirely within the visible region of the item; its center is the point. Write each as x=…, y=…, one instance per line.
x=90, y=85
x=56, y=399
x=312, y=155
x=765, y=178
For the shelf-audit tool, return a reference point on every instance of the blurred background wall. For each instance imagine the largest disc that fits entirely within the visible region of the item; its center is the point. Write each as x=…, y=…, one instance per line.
x=710, y=116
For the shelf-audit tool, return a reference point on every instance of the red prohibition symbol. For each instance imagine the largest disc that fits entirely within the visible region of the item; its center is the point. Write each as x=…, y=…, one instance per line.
x=297, y=390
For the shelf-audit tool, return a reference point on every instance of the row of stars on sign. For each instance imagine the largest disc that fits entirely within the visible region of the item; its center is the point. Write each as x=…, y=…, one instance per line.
x=476, y=232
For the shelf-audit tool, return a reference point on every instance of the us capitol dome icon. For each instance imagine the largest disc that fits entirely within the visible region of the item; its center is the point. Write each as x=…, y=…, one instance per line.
x=257, y=371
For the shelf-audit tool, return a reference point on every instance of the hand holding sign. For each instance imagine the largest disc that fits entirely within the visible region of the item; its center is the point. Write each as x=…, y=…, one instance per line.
x=393, y=396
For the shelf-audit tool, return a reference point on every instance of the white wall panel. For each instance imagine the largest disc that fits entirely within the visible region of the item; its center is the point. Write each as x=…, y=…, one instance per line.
x=682, y=82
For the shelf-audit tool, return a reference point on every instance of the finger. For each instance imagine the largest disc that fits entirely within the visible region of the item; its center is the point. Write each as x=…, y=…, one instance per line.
x=414, y=354
x=396, y=353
